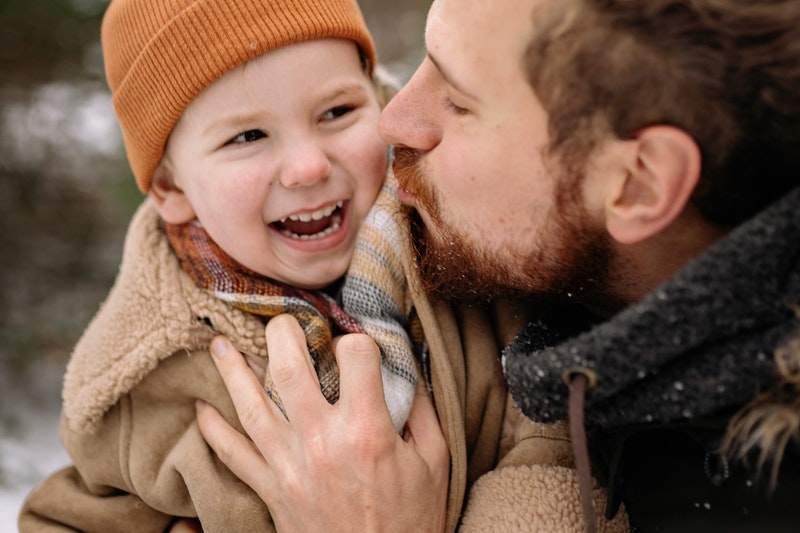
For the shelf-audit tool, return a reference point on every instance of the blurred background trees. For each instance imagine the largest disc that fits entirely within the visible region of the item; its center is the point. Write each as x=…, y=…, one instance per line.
x=50, y=218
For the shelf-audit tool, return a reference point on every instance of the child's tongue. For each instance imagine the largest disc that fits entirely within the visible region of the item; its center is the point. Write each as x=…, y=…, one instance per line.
x=312, y=227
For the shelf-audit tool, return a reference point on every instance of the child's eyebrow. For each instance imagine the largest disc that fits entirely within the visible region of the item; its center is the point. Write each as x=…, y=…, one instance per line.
x=234, y=120
x=344, y=89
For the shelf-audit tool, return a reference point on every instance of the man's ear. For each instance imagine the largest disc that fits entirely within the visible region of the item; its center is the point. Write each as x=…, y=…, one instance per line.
x=661, y=172
x=170, y=201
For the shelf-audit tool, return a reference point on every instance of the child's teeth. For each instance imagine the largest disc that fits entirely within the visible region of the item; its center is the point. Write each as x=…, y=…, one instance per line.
x=334, y=227
x=319, y=214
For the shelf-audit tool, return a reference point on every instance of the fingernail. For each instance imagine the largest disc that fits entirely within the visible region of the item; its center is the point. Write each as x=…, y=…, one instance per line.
x=219, y=345
x=200, y=404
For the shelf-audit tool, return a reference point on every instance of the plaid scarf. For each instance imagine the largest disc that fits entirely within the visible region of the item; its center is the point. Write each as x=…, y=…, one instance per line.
x=372, y=296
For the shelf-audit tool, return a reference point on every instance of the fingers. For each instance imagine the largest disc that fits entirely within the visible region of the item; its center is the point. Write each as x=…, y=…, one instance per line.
x=289, y=361
x=292, y=370
x=423, y=430
x=361, y=386
x=255, y=410
x=234, y=449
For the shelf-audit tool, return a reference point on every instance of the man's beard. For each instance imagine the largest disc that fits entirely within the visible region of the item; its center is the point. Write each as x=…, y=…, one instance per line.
x=569, y=258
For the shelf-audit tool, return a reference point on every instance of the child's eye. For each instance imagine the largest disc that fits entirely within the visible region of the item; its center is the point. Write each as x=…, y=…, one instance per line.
x=249, y=136
x=337, y=112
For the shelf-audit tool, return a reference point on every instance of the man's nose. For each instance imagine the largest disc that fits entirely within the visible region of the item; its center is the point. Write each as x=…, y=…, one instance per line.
x=409, y=119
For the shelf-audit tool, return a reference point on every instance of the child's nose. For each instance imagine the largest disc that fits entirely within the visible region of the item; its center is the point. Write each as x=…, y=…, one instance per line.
x=305, y=165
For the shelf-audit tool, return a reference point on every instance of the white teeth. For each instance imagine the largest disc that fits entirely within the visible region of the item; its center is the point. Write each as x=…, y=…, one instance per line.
x=334, y=227
x=319, y=214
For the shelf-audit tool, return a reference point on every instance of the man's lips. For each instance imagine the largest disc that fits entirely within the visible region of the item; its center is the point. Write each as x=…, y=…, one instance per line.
x=405, y=196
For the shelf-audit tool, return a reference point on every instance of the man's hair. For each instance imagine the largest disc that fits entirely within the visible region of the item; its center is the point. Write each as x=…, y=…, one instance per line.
x=727, y=72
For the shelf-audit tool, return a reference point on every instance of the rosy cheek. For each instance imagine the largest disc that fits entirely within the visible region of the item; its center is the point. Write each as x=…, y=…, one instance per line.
x=380, y=165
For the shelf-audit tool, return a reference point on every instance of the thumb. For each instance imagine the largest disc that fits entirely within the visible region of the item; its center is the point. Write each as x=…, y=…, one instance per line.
x=424, y=433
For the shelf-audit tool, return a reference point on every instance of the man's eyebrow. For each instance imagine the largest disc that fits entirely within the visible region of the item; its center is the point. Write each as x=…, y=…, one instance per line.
x=449, y=79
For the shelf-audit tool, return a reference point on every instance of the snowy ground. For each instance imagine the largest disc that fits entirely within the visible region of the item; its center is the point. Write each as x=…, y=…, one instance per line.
x=29, y=447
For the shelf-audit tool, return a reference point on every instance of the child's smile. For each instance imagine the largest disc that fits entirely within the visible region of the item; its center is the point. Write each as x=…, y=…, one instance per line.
x=312, y=225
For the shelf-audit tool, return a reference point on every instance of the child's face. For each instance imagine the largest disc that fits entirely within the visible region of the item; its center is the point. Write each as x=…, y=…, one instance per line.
x=280, y=160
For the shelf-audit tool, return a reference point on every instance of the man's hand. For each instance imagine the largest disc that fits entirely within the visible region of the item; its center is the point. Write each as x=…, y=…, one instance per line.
x=328, y=467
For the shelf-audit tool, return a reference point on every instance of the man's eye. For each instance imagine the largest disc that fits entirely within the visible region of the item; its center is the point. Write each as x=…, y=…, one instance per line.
x=249, y=136
x=458, y=110
x=337, y=112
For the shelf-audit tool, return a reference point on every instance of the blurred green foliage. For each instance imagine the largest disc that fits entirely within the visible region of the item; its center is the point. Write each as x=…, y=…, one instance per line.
x=43, y=40
x=53, y=228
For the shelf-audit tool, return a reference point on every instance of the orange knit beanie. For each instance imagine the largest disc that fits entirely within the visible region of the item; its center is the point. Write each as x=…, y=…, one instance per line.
x=160, y=54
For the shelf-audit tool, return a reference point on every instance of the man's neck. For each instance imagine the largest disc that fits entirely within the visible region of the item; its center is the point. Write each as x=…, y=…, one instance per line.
x=637, y=269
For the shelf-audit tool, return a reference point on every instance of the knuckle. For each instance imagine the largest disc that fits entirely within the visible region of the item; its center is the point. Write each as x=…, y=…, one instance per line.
x=284, y=372
x=249, y=417
x=320, y=457
x=293, y=484
x=251, y=414
x=366, y=440
x=224, y=451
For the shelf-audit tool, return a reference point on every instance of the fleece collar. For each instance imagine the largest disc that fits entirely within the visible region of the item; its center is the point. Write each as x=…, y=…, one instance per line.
x=700, y=343
x=153, y=311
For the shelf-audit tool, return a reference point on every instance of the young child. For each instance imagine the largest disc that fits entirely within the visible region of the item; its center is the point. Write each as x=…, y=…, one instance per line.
x=252, y=127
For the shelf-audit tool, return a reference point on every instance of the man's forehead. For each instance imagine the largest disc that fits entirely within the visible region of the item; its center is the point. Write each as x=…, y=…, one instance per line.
x=474, y=21
x=469, y=34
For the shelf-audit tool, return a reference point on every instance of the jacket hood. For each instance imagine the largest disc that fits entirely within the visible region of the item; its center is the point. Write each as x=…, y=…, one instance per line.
x=699, y=344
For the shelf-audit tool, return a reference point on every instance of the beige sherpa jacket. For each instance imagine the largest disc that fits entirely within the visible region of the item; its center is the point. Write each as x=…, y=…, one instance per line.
x=128, y=418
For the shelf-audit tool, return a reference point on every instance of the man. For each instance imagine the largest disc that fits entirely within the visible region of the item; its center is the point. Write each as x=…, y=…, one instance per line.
x=632, y=165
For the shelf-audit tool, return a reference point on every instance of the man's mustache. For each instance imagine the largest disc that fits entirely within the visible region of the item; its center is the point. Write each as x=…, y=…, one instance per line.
x=407, y=169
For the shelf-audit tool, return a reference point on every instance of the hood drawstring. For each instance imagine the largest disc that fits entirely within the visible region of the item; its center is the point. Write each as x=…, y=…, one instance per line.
x=580, y=380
